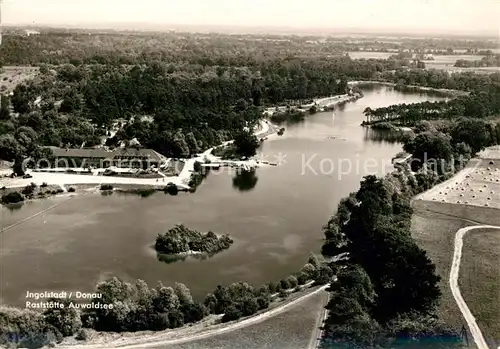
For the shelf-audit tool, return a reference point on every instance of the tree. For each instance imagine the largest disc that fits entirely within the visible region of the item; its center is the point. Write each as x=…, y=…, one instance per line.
x=9, y=147
x=474, y=132
x=175, y=318
x=71, y=103
x=314, y=260
x=4, y=108
x=354, y=280
x=334, y=239
x=246, y=143
x=197, y=167
x=431, y=148
x=167, y=300
x=66, y=320
x=193, y=312
x=310, y=271
x=232, y=313
x=292, y=281
x=183, y=293
x=115, y=290
x=210, y=303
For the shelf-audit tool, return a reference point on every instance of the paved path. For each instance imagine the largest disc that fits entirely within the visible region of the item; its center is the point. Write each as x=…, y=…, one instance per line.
x=454, y=273
x=317, y=334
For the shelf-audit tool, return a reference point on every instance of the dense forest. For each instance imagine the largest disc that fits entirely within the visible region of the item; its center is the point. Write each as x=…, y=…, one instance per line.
x=172, y=100
x=59, y=46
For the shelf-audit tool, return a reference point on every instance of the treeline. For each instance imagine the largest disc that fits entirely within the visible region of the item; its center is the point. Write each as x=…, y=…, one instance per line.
x=28, y=192
x=488, y=61
x=175, y=108
x=440, y=79
x=137, y=307
x=54, y=46
x=388, y=292
x=445, y=147
x=180, y=239
x=109, y=47
x=483, y=100
x=389, y=287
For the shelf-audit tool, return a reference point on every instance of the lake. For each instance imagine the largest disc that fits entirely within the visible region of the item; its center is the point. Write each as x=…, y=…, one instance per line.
x=274, y=217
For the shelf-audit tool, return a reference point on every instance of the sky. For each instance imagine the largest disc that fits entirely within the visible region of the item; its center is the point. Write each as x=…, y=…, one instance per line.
x=463, y=16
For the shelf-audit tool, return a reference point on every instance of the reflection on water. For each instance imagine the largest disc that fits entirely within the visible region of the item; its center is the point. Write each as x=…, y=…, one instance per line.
x=174, y=258
x=15, y=207
x=245, y=180
x=384, y=136
x=340, y=107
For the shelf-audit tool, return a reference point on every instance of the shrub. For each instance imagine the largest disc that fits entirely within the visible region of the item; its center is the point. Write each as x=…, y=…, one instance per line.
x=263, y=302
x=66, y=320
x=292, y=281
x=197, y=166
x=176, y=319
x=83, y=335
x=171, y=189
x=249, y=306
x=71, y=190
x=284, y=284
x=283, y=294
x=29, y=189
x=272, y=286
x=12, y=198
x=303, y=278
x=232, y=313
x=106, y=187
x=194, y=312
x=44, y=185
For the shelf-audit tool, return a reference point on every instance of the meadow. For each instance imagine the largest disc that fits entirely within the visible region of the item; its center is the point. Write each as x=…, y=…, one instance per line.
x=479, y=280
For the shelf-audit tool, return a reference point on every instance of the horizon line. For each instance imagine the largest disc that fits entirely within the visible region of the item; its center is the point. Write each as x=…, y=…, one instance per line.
x=260, y=29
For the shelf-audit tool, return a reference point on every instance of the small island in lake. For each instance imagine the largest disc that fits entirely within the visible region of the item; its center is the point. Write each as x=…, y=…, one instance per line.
x=183, y=241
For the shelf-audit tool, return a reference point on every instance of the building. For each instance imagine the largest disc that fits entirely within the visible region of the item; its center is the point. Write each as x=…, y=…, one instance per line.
x=29, y=32
x=101, y=158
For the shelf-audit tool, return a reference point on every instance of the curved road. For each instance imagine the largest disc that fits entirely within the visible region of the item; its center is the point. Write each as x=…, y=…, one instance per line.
x=454, y=273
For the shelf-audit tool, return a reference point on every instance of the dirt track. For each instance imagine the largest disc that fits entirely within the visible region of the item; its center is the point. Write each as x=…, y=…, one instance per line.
x=455, y=269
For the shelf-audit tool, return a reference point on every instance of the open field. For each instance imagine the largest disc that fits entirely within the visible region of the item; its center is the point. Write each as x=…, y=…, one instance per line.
x=476, y=185
x=469, y=198
x=369, y=54
x=11, y=76
x=435, y=233
x=479, y=280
